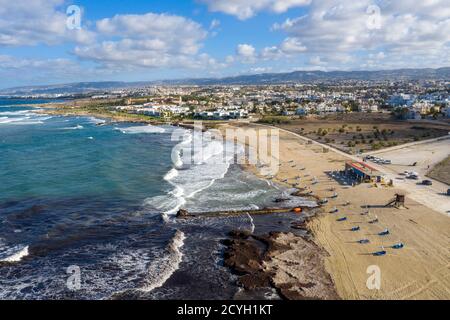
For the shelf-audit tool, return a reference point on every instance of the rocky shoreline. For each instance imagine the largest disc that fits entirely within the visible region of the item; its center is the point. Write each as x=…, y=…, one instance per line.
x=261, y=261
x=291, y=264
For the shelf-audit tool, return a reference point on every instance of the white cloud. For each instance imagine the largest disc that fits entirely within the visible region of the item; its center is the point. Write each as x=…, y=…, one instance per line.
x=271, y=53
x=244, y=9
x=316, y=61
x=338, y=29
x=149, y=40
x=246, y=53
x=292, y=46
x=261, y=70
x=171, y=31
x=289, y=48
x=36, y=21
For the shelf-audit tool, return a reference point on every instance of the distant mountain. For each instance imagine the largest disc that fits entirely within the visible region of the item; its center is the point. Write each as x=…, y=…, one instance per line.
x=255, y=79
x=318, y=76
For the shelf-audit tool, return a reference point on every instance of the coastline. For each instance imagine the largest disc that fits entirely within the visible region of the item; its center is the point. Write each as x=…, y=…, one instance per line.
x=419, y=271
x=416, y=272
x=182, y=263
x=61, y=109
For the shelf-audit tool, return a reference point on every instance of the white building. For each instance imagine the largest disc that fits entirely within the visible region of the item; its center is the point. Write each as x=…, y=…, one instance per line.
x=423, y=107
x=402, y=100
x=368, y=108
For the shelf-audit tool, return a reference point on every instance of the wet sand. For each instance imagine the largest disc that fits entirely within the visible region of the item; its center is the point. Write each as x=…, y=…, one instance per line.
x=421, y=270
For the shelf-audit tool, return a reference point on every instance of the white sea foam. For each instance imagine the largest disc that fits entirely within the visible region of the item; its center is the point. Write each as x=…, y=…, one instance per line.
x=16, y=113
x=21, y=120
x=252, y=224
x=195, y=171
x=162, y=269
x=171, y=174
x=77, y=127
x=14, y=254
x=96, y=120
x=28, y=122
x=15, y=119
x=143, y=129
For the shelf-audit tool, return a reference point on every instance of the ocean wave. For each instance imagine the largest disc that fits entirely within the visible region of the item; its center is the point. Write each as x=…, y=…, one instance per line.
x=77, y=127
x=162, y=269
x=173, y=173
x=14, y=254
x=252, y=223
x=21, y=120
x=95, y=120
x=194, y=171
x=16, y=113
x=142, y=129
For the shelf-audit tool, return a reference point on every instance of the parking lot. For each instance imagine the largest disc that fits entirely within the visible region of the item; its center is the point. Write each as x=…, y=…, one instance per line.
x=419, y=159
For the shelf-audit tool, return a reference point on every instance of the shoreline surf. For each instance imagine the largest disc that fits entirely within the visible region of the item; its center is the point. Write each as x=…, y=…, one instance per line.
x=202, y=181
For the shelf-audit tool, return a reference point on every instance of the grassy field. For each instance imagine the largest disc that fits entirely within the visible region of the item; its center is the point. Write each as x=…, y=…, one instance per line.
x=441, y=171
x=363, y=132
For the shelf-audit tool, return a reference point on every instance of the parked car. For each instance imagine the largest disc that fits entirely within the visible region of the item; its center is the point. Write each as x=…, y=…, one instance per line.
x=387, y=162
x=413, y=176
x=448, y=192
x=427, y=182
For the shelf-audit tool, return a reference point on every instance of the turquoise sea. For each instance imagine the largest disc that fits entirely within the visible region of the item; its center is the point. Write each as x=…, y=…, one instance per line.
x=84, y=198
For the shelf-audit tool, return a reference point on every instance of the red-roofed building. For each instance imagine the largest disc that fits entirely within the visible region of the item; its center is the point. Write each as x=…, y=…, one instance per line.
x=362, y=171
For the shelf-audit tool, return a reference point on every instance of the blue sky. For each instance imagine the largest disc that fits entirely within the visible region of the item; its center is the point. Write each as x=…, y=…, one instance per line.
x=149, y=40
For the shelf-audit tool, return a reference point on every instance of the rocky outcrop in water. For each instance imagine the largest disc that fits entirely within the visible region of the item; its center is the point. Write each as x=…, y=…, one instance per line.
x=289, y=263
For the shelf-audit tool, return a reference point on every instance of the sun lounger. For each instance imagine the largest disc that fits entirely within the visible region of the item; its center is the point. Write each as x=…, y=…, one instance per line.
x=380, y=253
x=398, y=246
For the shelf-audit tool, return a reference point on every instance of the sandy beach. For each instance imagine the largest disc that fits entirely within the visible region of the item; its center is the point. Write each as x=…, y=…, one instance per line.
x=421, y=270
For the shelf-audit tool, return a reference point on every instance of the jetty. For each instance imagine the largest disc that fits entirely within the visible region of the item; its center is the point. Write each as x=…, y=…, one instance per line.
x=184, y=214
